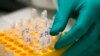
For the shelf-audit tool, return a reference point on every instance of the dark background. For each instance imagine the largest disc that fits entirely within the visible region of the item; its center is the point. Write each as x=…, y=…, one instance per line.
x=10, y=5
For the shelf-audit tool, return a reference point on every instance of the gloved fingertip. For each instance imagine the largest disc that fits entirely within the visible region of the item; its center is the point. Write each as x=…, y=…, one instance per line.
x=57, y=46
x=56, y=28
x=53, y=32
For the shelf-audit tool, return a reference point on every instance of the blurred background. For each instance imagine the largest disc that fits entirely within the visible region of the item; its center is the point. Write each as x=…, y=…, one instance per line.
x=15, y=10
x=9, y=6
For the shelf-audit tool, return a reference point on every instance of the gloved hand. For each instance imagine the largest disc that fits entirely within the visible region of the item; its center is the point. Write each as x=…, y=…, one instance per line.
x=86, y=30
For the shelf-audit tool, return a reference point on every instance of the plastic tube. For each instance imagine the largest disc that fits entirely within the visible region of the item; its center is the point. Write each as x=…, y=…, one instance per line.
x=28, y=39
x=34, y=13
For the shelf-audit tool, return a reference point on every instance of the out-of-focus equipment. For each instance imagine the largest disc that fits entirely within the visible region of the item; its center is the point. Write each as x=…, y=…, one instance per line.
x=29, y=38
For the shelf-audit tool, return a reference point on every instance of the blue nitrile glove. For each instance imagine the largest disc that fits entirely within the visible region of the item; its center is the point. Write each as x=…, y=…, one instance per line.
x=86, y=30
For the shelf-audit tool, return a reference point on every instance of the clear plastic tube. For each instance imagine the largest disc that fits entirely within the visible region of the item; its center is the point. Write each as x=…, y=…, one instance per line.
x=13, y=25
x=21, y=23
x=42, y=40
x=47, y=39
x=34, y=13
x=28, y=39
x=44, y=16
x=24, y=31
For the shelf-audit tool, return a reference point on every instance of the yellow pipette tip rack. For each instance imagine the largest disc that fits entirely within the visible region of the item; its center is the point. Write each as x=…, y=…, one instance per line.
x=12, y=44
x=20, y=49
